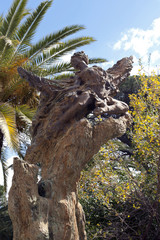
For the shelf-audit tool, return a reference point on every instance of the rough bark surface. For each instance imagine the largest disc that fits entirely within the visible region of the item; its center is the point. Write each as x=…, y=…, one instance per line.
x=66, y=133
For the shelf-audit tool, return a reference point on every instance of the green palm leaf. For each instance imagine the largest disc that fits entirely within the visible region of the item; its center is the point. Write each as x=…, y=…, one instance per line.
x=13, y=17
x=97, y=60
x=6, y=50
x=28, y=28
x=60, y=67
x=25, y=113
x=9, y=27
x=53, y=69
x=53, y=39
x=6, y=25
x=10, y=88
x=8, y=125
x=64, y=67
x=1, y=22
x=63, y=76
x=60, y=50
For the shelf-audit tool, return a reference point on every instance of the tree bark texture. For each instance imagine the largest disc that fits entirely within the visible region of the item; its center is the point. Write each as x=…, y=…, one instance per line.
x=74, y=118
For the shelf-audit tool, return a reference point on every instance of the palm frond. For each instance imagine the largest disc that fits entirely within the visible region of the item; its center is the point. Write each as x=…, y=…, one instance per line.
x=59, y=67
x=97, y=60
x=8, y=28
x=8, y=125
x=28, y=28
x=53, y=39
x=6, y=50
x=10, y=88
x=1, y=21
x=5, y=41
x=63, y=76
x=25, y=113
x=7, y=21
x=60, y=50
x=53, y=69
x=14, y=17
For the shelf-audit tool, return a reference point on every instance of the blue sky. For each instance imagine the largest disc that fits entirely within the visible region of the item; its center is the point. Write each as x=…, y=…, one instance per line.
x=121, y=27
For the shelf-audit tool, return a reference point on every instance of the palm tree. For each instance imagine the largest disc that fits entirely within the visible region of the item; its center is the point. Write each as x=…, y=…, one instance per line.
x=17, y=100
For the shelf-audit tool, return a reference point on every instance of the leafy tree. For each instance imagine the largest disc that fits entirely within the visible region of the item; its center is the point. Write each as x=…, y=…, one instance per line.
x=120, y=188
x=146, y=114
x=17, y=99
x=128, y=87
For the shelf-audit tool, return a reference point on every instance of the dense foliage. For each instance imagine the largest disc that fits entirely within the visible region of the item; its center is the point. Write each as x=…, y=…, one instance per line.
x=120, y=188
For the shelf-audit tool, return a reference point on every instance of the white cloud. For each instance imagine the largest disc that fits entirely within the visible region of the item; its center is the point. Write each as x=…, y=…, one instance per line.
x=105, y=65
x=118, y=45
x=67, y=57
x=155, y=56
x=143, y=44
x=140, y=41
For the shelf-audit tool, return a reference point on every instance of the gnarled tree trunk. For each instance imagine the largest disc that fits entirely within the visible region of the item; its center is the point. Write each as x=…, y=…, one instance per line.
x=66, y=133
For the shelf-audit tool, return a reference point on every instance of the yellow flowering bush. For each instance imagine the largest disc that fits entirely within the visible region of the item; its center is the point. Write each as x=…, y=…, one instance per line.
x=120, y=188
x=146, y=115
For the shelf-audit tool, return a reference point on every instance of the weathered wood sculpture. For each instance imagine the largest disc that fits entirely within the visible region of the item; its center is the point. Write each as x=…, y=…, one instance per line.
x=66, y=134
